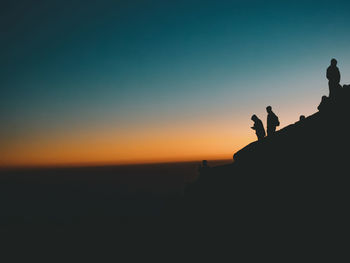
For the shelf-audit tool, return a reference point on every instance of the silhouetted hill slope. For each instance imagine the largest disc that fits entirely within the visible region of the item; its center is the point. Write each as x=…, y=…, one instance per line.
x=299, y=173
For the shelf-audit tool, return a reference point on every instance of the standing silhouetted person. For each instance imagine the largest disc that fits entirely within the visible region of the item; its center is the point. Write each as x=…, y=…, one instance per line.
x=258, y=127
x=272, y=121
x=333, y=76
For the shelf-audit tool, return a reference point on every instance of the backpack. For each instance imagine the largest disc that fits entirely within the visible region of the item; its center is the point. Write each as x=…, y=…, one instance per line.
x=277, y=122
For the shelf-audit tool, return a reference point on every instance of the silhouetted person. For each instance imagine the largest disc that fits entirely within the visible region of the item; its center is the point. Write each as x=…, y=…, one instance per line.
x=333, y=76
x=258, y=127
x=324, y=103
x=272, y=121
x=203, y=169
x=301, y=119
x=204, y=164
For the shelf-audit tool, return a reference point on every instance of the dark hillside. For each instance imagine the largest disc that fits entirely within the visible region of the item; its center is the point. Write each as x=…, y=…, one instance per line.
x=300, y=174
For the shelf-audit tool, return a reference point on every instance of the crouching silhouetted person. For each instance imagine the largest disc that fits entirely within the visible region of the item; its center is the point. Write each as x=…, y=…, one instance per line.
x=272, y=121
x=258, y=127
x=333, y=76
x=324, y=105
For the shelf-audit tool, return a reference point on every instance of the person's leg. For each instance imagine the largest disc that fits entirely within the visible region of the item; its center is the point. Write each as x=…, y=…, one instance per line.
x=331, y=89
x=269, y=131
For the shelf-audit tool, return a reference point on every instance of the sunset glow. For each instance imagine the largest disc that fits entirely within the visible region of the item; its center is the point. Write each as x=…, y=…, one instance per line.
x=119, y=82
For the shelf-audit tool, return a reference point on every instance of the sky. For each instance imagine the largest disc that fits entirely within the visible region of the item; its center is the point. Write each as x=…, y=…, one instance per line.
x=85, y=82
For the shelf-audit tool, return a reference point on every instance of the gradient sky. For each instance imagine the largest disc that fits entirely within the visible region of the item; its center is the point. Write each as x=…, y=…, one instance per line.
x=149, y=81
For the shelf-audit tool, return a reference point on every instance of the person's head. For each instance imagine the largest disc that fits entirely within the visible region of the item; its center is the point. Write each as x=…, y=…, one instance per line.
x=302, y=117
x=268, y=108
x=334, y=62
x=254, y=117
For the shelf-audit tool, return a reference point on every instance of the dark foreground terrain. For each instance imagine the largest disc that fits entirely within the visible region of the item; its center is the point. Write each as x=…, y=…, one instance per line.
x=92, y=197
x=293, y=186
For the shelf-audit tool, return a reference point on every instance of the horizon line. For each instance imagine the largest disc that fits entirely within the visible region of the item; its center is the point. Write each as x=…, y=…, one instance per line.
x=102, y=164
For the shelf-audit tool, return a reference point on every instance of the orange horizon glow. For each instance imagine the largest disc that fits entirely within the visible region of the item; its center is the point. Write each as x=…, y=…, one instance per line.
x=151, y=145
x=109, y=155
x=214, y=138
x=100, y=164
